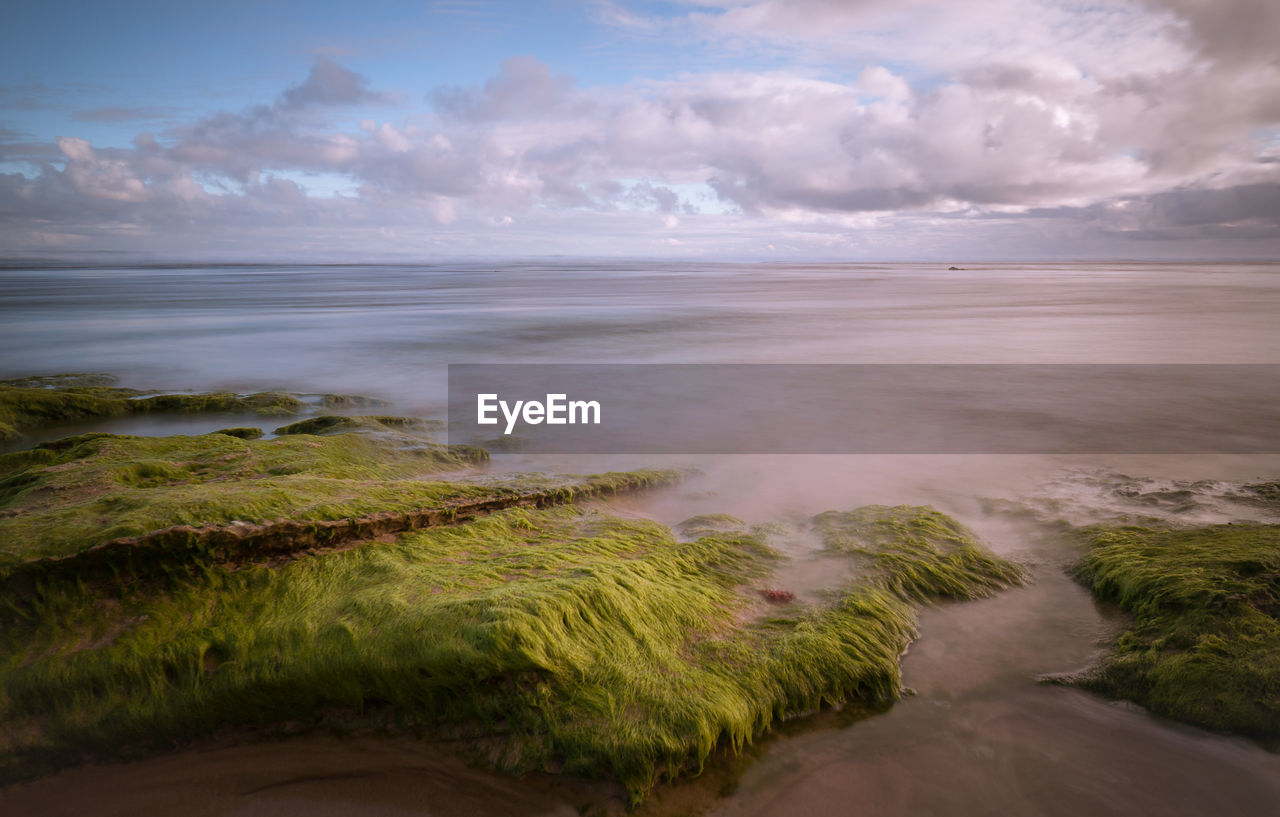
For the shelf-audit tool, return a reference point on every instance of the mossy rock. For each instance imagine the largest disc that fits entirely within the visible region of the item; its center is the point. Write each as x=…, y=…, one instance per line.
x=241, y=432
x=709, y=524
x=30, y=403
x=557, y=639
x=71, y=494
x=350, y=401
x=1204, y=643
x=334, y=424
x=919, y=551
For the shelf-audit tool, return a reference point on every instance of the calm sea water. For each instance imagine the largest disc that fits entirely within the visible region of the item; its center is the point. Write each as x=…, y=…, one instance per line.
x=981, y=736
x=390, y=330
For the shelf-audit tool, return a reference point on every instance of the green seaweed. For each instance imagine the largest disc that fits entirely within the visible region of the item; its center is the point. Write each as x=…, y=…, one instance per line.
x=1204, y=645
x=709, y=524
x=23, y=408
x=157, y=590
x=349, y=401
x=917, y=551
x=336, y=424
x=241, y=432
x=550, y=639
x=72, y=494
x=27, y=405
x=266, y=404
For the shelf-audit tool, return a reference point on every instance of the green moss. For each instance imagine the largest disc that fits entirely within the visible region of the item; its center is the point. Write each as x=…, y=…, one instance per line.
x=241, y=432
x=559, y=638
x=320, y=425
x=1204, y=646
x=332, y=424
x=17, y=461
x=150, y=473
x=350, y=401
x=23, y=408
x=917, y=551
x=26, y=404
x=545, y=639
x=272, y=404
x=709, y=524
x=266, y=404
x=72, y=494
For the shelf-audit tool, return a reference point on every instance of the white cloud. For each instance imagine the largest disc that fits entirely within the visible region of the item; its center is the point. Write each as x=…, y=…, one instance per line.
x=990, y=111
x=100, y=178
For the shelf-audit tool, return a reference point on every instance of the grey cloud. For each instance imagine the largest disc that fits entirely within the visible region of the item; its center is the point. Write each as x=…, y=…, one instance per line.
x=1240, y=207
x=1232, y=32
x=241, y=144
x=329, y=84
x=432, y=167
x=28, y=151
x=1243, y=213
x=19, y=146
x=524, y=87
x=645, y=194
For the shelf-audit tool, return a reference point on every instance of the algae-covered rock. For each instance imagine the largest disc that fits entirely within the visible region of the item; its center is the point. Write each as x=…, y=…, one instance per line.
x=241, y=432
x=561, y=638
x=918, y=551
x=709, y=524
x=266, y=404
x=29, y=403
x=351, y=401
x=1204, y=645
x=71, y=494
x=335, y=424
x=353, y=571
x=26, y=407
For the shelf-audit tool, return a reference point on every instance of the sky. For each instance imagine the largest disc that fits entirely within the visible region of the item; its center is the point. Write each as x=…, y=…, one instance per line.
x=712, y=129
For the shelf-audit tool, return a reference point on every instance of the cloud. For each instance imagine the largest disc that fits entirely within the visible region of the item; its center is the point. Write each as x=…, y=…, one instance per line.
x=281, y=135
x=1098, y=124
x=329, y=84
x=99, y=177
x=23, y=147
x=1248, y=211
x=1231, y=32
x=523, y=88
x=658, y=197
x=931, y=35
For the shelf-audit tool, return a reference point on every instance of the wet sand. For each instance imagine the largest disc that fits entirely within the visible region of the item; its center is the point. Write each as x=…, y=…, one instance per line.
x=306, y=777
